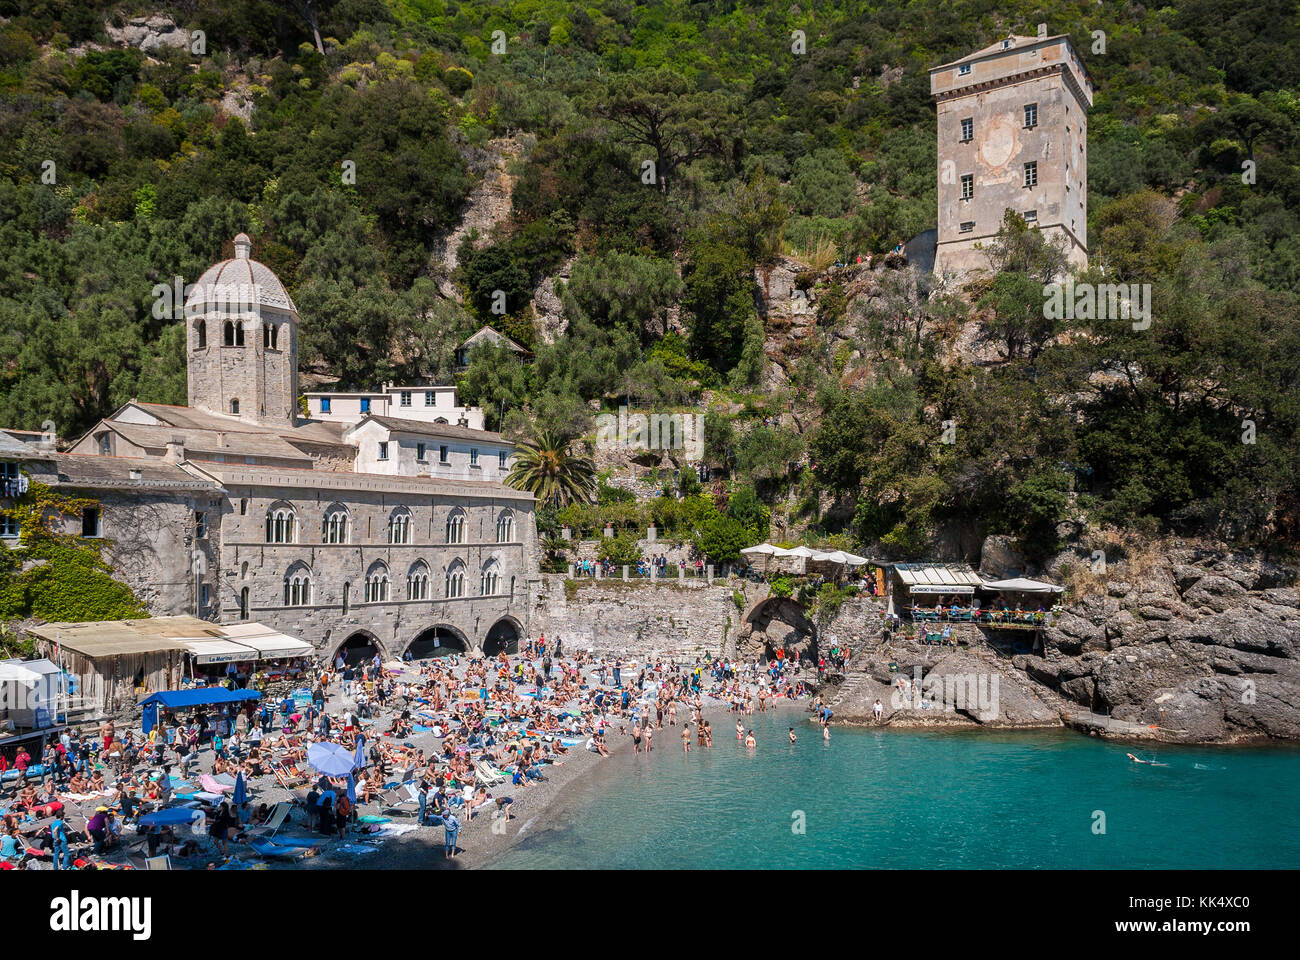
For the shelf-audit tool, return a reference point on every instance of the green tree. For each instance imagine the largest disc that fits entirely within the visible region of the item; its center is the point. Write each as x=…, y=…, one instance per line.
x=550, y=471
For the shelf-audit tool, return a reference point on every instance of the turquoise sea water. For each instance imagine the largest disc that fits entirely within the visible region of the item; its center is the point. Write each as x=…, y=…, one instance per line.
x=924, y=800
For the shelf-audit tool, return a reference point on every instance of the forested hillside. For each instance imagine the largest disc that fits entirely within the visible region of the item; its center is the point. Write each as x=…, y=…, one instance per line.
x=122, y=167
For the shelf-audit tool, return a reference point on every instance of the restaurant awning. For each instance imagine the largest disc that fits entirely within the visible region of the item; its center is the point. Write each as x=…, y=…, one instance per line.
x=938, y=578
x=208, y=650
x=268, y=644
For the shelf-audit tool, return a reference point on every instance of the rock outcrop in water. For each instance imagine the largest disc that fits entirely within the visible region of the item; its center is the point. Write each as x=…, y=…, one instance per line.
x=1203, y=646
x=1200, y=647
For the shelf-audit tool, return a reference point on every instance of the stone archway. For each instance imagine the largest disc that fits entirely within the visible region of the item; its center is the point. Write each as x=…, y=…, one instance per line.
x=438, y=641
x=358, y=646
x=776, y=622
x=504, y=635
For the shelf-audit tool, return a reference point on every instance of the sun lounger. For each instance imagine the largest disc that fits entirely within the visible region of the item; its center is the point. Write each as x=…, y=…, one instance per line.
x=405, y=799
x=488, y=775
x=274, y=822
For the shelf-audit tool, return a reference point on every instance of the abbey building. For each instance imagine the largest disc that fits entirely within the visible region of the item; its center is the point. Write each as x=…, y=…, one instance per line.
x=377, y=521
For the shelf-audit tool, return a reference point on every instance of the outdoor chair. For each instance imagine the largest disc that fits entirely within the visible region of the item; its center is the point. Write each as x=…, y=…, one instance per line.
x=279, y=816
x=403, y=800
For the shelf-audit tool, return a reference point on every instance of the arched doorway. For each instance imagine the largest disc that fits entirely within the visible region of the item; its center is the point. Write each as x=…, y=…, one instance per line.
x=358, y=647
x=439, y=641
x=504, y=635
x=777, y=622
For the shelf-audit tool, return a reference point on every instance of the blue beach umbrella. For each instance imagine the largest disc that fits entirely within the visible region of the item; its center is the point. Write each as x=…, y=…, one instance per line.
x=239, y=796
x=359, y=758
x=331, y=759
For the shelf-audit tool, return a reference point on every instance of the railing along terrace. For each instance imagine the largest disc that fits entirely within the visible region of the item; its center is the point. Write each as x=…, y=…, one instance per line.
x=1017, y=619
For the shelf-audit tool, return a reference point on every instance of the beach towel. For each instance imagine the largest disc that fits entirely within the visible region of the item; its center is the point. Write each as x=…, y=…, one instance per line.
x=395, y=829
x=270, y=848
x=211, y=785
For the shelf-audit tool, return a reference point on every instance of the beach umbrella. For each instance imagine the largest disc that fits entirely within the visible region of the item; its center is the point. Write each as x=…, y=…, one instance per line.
x=240, y=796
x=359, y=758
x=804, y=553
x=331, y=759
x=766, y=551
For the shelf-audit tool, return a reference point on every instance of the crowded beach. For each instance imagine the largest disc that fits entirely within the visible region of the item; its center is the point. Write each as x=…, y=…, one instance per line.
x=415, y=763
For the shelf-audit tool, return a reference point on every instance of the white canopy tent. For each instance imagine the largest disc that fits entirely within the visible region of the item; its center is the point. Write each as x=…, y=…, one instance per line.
x=839, y=556
x=1023, y=585
x=766, y=551
x=29, y=692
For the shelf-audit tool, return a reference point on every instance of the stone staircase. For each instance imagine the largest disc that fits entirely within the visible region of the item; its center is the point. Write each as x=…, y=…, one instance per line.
x=853, y=682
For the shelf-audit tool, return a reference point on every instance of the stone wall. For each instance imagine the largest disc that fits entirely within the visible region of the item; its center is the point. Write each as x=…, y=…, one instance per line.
x=641, y=619
x=152, y=547
x=685, y=618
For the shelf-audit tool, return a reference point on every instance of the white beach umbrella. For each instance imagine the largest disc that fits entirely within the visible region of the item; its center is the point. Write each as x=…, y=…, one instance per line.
x=765, y=550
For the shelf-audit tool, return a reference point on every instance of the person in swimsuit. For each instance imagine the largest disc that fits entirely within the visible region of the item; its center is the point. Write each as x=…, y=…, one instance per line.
x=686, y=738
x=749, y=740
x=793, y=738
x=636, y=738
x=740, y=730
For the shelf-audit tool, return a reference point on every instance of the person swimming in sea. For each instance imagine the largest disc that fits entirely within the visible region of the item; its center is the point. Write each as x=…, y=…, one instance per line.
x=1152, y=763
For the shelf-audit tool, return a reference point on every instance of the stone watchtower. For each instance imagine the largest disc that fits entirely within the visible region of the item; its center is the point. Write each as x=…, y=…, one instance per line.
x=242, y=342
x=1013, y=133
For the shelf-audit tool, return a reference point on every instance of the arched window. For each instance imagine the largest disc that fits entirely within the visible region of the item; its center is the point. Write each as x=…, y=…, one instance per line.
x=270, y=334
x=334, y=526
x=489, y=582
x=233, y=334
x=234, y=408
x=399, y=526
x=512, y=588
x=243, y=604
x=417, y=581
x=297, y=586
x=506, y=527
x=281, y=524
x=456, y=526
x=200, y=334
x=455, y=581
x=347, y=597
x=377, y=583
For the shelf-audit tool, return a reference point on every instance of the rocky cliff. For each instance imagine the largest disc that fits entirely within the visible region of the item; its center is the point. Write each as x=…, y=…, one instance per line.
x=1198, y=647
x=1201, y=645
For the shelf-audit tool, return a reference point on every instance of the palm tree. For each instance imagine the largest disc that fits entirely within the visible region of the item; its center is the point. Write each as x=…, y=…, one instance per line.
x=546, y=469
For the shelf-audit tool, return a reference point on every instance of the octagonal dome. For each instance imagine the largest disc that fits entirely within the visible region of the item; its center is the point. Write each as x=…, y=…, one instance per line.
x=231, y=279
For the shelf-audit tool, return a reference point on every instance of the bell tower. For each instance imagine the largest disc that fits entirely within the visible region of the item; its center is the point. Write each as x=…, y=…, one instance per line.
x=242, y=342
